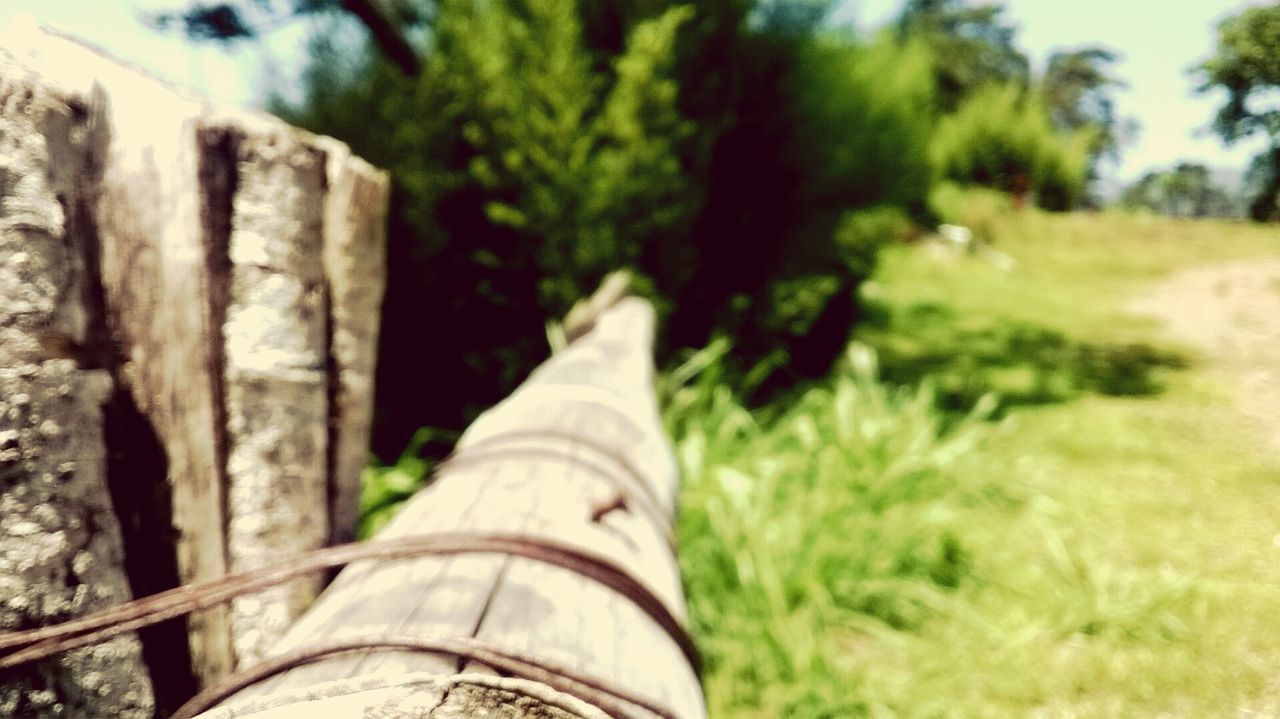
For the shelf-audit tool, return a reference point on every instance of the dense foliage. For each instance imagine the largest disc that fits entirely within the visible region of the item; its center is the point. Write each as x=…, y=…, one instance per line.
x=1247, y=66
x=971, y=46
x=1077, y=92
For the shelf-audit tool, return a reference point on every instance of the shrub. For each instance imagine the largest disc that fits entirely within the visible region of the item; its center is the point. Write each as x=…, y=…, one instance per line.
x=862, y=232
x=852, y=165
x=978, y=208
x=1002, y=137
x=525, y=168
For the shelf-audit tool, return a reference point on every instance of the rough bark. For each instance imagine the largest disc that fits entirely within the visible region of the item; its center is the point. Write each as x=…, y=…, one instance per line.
x=60, y=542
x=274, y=376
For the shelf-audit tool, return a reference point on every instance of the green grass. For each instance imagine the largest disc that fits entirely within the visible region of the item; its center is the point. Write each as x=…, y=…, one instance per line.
x=1103, y=543
x=807, y=537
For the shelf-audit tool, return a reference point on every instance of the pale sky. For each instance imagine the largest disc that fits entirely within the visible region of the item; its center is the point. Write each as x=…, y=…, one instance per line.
x=114, y=25
x=1159, y=39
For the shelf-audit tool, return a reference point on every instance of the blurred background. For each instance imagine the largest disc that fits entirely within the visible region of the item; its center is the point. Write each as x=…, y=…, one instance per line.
x=1039, y=482
x=745, y=157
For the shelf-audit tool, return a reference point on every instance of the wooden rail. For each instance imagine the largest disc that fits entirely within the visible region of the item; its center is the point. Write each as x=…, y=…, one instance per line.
x=576, y=456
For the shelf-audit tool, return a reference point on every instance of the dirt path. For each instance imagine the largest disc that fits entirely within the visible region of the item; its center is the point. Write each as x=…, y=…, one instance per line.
x=1231, y=312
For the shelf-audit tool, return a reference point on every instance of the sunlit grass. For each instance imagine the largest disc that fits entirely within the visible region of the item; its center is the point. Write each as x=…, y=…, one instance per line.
x=841, y=520
x=1104, y=549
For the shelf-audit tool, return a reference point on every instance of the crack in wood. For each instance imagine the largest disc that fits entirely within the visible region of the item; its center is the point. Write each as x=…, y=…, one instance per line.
x=485, y=606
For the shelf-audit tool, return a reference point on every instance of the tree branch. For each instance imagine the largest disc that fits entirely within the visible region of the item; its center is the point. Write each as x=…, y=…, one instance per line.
x=393, y=44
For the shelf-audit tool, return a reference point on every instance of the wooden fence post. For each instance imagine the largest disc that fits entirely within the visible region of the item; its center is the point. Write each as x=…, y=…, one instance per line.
x=236, y=264
x=577, y=456
x=60, y=542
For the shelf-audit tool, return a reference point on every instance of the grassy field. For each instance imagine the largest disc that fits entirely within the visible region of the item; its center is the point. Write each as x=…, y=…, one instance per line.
x=1036, y=504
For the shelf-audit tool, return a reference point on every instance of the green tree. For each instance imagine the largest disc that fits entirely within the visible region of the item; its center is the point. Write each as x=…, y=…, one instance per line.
x=1077, y=88
x=971, y=45
x=1246, y=65
x=863, y=113
x=522, y=176
x=1262, y=185
x=1187, y=190
x=805, y=127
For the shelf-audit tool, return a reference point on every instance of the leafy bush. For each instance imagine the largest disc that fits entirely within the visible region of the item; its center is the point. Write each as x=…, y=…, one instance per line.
x=865, y=114
x=978, y=208
x=1002, y=137
x=583, y=175
x=384, y=488
x=862, y=232
x=525, y=169
x=843, y=127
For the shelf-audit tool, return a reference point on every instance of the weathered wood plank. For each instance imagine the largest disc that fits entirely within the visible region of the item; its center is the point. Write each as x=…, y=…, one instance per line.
x=355, y=240
x=60, y=545
x=275, y=371
x=548, y=462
